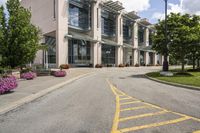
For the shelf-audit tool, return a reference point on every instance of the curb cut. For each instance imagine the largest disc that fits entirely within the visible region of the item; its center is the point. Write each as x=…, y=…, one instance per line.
x=174, y=84
x=37, y=95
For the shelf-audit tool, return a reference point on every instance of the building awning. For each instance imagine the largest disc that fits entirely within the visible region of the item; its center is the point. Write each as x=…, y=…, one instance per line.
x=116, y=6
x=131, y=15
x=80, y=36
x=128, y=46
x=109, y=42
x=146, y=48
x=145, y=22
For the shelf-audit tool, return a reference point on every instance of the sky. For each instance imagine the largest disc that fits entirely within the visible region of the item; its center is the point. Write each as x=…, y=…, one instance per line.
x=154, y=9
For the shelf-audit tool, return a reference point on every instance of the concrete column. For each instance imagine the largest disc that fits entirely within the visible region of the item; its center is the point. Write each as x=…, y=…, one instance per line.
x=61, y=31
x=162, y=59
x=119, y=55
x=146, y=58
x=146, y=37
x=119, y=39
x=96, y=53
x=135, y=57
x=119, y=29
x=155, y=59
x=135, y=35
x=96, y=20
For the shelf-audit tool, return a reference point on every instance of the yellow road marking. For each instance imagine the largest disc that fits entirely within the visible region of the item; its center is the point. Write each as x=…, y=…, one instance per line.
x=143, y=115
x=197, y=131
x=126, y=98
x=117, y=114
x=154, y=124
x=130, y=102
x=135, y=108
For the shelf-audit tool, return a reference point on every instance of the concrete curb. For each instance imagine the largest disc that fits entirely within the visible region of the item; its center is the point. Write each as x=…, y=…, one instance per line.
x=174, y=84
x=35, y=96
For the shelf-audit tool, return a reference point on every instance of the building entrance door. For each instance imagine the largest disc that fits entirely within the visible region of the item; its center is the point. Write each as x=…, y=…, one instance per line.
x=79, y=52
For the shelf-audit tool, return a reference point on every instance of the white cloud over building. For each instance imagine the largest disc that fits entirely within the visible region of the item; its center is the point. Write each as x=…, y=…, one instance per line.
x=185, y=6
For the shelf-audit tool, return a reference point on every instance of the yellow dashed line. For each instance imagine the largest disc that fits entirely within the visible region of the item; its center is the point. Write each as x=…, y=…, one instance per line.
x=143, y=115
x=126, y=103
x=154, y=124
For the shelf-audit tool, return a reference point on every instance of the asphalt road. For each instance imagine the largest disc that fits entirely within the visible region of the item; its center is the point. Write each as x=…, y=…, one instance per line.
x=112, y=100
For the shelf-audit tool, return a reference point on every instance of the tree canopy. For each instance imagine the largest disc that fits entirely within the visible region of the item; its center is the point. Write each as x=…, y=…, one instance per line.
x=19, y=38
x=183, y=36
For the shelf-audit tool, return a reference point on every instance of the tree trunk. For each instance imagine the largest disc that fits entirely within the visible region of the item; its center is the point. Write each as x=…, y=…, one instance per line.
x=193, y=62
x=198, y=63
x=183, y=65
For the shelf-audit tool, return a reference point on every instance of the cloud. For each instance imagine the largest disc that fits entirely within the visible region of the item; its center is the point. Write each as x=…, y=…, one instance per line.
x=3, y=2
x=184, y=6
x=136, y=5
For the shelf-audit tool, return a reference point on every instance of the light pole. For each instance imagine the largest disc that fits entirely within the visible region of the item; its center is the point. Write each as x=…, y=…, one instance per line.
x=165, y=62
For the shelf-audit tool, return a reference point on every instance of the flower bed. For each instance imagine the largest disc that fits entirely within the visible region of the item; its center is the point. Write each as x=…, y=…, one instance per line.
x=98, y=66
x=59, y=73
x=121, y=65
x=28, y=75
x=7, y=84
x=64, y=66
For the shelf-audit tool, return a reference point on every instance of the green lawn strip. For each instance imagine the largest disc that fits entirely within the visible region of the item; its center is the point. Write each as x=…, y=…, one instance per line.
x=193, y=80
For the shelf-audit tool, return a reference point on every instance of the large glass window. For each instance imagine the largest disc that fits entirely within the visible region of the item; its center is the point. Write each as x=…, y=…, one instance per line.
x=108, y=55
x=51, y=52
x=108, y=23
x=79, y=17
x=79, y=52
x=127, y=31
x=141, y=34
x=150, y=37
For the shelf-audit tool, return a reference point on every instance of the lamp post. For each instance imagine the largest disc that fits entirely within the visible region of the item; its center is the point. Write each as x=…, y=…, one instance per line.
x=165, y=62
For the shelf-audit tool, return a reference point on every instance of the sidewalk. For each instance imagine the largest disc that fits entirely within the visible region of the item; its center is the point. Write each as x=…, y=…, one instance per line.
x=28, y=88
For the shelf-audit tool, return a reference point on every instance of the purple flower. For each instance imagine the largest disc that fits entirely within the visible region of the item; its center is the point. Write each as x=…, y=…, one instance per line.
x=60, y=74
x=28, y=75
x=7, y=84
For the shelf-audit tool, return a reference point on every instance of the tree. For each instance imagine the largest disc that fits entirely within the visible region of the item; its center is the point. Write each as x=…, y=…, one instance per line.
x=182, y=33
x=21, y=38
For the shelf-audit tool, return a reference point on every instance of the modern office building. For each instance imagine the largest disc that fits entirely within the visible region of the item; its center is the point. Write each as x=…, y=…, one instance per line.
x=90, y=32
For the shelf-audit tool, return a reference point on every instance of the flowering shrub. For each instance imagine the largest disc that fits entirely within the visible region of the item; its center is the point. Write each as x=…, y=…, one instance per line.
x=60, y=73
x=98, y=66
x=28, y=75
x=137, y=65
x=7, y=84
x=64, y=66
x=121, y=65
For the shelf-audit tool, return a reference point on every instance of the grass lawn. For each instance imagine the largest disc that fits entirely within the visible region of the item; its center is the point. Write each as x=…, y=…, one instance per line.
x=193, y=80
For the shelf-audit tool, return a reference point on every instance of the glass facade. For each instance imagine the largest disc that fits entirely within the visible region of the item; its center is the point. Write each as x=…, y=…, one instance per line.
x=141, y=35
x=79, y=52
x=79, y=16
x=150, y=37
x=142, y=63
x=50, y=56
x=108, y=55
x=108, y=23
x=127, y=31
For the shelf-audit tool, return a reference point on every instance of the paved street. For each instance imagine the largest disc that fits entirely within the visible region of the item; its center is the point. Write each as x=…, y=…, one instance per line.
x=111, y=100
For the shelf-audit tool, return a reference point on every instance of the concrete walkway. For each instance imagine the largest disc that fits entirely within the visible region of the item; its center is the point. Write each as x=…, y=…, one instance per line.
x=27, y=88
